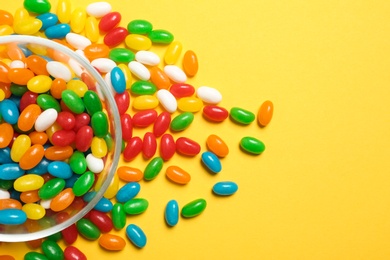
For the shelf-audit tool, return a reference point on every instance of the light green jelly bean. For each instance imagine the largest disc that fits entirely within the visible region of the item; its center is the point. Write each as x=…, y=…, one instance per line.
x=139, y=26
x=99, y=124
x=118, y=215
x=92, y=102
x=141, y=87
x=193, y=208
x=46, y=101
x=52, y=250
x=37, y=6
x=35, y=256
x=242, y=116
x=252, y=145
x=18, y=90
x=161, y=36
x=51, y=188
x=109, y=141
x=84, y=183
x=78, y=163
x=73, y=101
x=182, y=121
x=87, y=229
x=121, y=55
x=153, y=168
x=136, y=206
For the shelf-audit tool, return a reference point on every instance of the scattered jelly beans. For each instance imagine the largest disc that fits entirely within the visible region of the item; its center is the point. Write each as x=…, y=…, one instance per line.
x=172, y=213
x=252, y=145
x=211, y=161
x=136, y=235
x=193, y=208
x=216, y=145
x=112, y=242
x=225, y=188
x=264, y=115
x=241, y=115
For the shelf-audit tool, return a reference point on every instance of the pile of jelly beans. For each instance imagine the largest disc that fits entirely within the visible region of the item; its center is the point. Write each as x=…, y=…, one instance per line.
x=54, y=131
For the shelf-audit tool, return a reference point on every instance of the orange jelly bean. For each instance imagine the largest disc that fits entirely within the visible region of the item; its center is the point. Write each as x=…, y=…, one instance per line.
x=6, y=87
x=190, y=63
x=216, y=145
x=30, y=196
x=6, y=18
x=15, y=53
x=4, y=69
x=38, y=137
x=96, y=50
x=32, y=157
x=129, y=174
x=265, y=113
x=6, y=257
x=20, y=76
x=10, y=204
x=37, y=64
x=62, y=200
x=58, y=153
x=28, y=117
x=36, y=243
x=177, y=175
x=6, y=134
x=57, y=86
x=159, y=78
x=112, y=242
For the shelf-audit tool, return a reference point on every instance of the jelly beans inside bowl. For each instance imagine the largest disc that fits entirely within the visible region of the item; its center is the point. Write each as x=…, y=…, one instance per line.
x=60, y=137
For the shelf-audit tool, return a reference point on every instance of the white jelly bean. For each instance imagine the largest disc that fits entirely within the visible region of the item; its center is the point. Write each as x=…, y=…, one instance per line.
x=139, y=70
x=94, y=164
x=167, y=100
x=78, y=41
x=147, y=58
x=46, y=119
x=175, y=73
x=76, y=67
x=98, y=9
x=4, y=194
x=209, y=95
x=17, y=64
x=45, y=203
x=107, y=79
x=104, y=65
x=57, y=69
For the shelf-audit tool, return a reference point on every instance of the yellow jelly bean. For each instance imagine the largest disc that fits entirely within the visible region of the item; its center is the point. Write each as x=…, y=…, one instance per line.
x=145, y=102
x=2, y=95
x=20, y=15
x=39, y=84
x=190, y=104
x=126, y=71
x=64, y=11
x=138, y=42
x=20, y=146
x=112, y=189
x=28, y=26
x=173, y=52
x=5, y=29
x=34, y=211
x=78, y=19
x=37, y=49
x=92, y=29
x=28, y=182
x=98, y=147
x=78, y=86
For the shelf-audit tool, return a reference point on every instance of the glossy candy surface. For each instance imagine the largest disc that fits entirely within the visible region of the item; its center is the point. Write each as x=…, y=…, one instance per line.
x=190, y=63
x=112, y=242
x=182, y=121
x=216, y=145
x=136, y=235
x=241, y=115
x=225, y=188
x=193, y=208
x=87, y=229
x=211, y=161
x=177, y=175
x=172, y=213
x=252, y=145
x=264, y=115
x=136, y=206
x=153, y=168
x=187, y=146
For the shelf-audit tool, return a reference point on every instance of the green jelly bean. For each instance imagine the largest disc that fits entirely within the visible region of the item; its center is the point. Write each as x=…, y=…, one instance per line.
x=46, y=101
x=18, y=90
x=73, y=101
x=77, y=162
x=51, y=188
x=121, y=55
x=193, y=208
x=118, y=216
x=252, y=145
x=141, y=87
x=182, y=121
x=52, y=250
x=46, y=222
x=123, y=145
x=92, y=102
x=37, y=6
x=99, y=124
x=153, y=168
x=55, y=237
x=139, y=27
x=35, y=256
x=136, y=206
x=87, y=229
x=242, y=116
x=6, y=184
x=161, y=36
x=84, y=183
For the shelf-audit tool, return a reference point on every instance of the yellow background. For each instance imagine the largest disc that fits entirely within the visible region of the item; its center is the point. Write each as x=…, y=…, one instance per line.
x=321, y=188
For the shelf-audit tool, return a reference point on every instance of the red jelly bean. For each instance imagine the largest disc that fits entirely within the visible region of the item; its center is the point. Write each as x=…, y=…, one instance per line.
x=84, y=138
x=149, y=145
x=180, y=90
x=63, y=137
x=215, y=113
x=144, y=118
x=187, y=146
x=66, y=120
x=72, y=253
x=115, y=36
x=127, y=127
x=70, y=234
x=132, y=149
x=62, y=216
x=27, y=98
x=82, y=119
x=109, y=21
x=162, y=123
x=101, y=220
x=122, y=101
x=167, y=147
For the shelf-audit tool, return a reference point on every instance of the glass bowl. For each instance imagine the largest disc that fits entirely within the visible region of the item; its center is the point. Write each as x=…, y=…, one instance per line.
x=55, y=221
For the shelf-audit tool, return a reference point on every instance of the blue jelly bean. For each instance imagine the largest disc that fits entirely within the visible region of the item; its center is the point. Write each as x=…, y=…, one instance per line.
x=172, y=213
x=127, y=192
x=9, y=111
x=14, y=194
x=70, y=182
x=60, y=169
x=41, y=167
x=48, y=20
x=10, y=171
x=5, y=155
x=212, y=162
x=104, y=205
x=89, y=196
x=118, y=80
x=12, y=216
x=25, y=50
x=225, y=188
x=58, y=31
x=136, y=235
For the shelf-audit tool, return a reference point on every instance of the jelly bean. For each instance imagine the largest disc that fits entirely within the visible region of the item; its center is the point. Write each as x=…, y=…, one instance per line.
x=39, y=84
x=133, y=148
x=128, y=191
x=28, y=182
x=264, y=115
x=159, y=78
x=57, y=69
x=98, y=9
x=63, y=11
x=104, y=205
x=101, y=220
x=46, y=101
x=92, y=102
x=82, y=119
x=172, y=53
x=6, y=17
x=28, y=26
x=20, y=15
x=186, y=146
x=109, y=21
x=172, y=213
x=60, y=169
x=129, y=174
x=17, y=64
x=252, y=145
x=112, y=242
x=209, y=95
x=58, y=31
x=193, y=208
x=241, y=116
x=4, y=194
x=6, y=184
x=139, y=27
x=10, y=204
x=99, y=123
x=51, y=188
x=84, y=138
x=58, y=85
x=118, y=216
x=52, y=250
x=121, y=55
x=78, y=19
x=115, y=36
x=211, y=161
x=136, y=206
x=225, y=188
x=141, y=87
x=127, y=127
x=190, y=63
x=104, y=65
x=216, y=145
x=161, y=123
x=12, y=216
x=34, y=211
x=94, y=164
x=77, y=41
x=35, y=256
x=92, y=29
x=136, y=235
x=139, y=70
x=63, y=137
x=70, y=234
x=145, y=102
x=18, y=90
x=20, y=76
x=144, y=118
x=118, y=80
x=58, y=153
x=79, y=87
x=153, y=168
x=29, y=196
x=66, y=120
x=190, y=104
x=178, y=175
x=41, y=167
x=98, y=147
x=149, y=145
x=37, y=6
x=147, y=58
x=62, y=200
x=167, y=147
x=182, y=121
x=45, y=203
x=48, y=20
x=84, y=183
x=4, y=68
x=78, y=163
x=160, y=36
x=138, y=42
x=73, y=253
x=122, y=102
x=96, y=50
x=6, y=30
x=9, y=111
x=167, y=100
x=6, y=134
x=175, y=73
x=19, y=147
x=38, y=137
